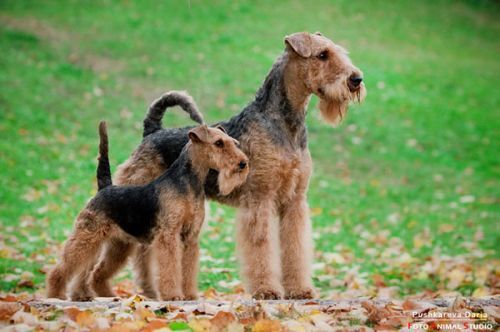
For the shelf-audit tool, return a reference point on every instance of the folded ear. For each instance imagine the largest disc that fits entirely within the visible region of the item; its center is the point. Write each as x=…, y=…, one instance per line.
x=300, y=43
x=221, y=129
x=199, y=134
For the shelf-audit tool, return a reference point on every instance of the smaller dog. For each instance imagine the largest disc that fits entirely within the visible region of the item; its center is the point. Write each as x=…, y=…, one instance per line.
x=167, y=213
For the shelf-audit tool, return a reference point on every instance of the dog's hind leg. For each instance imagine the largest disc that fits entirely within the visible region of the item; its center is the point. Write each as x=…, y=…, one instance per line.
x=79, y=253
x=81, y=291
x=114, y=257
x=143, y=269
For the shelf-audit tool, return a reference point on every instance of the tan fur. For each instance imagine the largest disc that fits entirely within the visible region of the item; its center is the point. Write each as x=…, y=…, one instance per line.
x=278, y=182
x=117, y=247
x=175, y=243
x=91, y=230
x=327, y=79
x=275, y=193
x=141, y=168
x=145, y=270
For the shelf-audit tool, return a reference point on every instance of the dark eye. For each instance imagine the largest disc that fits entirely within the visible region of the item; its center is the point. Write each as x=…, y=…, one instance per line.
x=219, y=143
x=323, y=55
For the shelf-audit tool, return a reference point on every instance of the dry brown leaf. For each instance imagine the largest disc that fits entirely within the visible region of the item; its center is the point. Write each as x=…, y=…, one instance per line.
x=9, y=298
x=222, y=319
x=180, y=316
x=126, y=327
x=455, y=278
x=210, y=293
x=378, y=280
x=144, y=314
x=85, y=318
x=72, y=312
x=155, y=324
x=26, y=284
x=492, y=312
x=7, y=309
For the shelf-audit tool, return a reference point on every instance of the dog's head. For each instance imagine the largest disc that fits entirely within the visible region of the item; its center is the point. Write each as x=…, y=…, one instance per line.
x=221, y=153
x=326, y=71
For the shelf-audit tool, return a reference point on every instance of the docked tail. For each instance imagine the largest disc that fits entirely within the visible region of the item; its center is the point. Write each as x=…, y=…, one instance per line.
x=152, y=122
x=103, y=169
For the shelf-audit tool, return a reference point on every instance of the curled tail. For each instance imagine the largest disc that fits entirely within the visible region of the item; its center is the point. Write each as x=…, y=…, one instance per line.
x=103, y=169
x=152, y=122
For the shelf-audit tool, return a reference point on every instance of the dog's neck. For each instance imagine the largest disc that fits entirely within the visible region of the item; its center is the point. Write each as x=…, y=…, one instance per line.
x=296, y=89
x=284, y=96
x=199, y=162
x=190, y=169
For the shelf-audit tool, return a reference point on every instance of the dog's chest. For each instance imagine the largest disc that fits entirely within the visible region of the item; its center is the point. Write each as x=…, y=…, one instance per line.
x=289, y=174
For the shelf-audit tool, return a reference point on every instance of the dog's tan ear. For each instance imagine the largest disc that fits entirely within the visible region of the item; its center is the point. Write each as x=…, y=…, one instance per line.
x=300, y=43
x=199, y=134
x=221, y=129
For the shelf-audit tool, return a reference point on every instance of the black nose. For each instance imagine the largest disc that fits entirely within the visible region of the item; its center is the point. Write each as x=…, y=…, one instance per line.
x=242, y=165
x=355, y=80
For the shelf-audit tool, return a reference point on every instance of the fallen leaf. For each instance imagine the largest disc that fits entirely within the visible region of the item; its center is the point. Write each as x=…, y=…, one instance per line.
x=7, y=309
x=72, y=312
x=267, y=325
x=493, y=312
x=85, y=318
x=222, y=319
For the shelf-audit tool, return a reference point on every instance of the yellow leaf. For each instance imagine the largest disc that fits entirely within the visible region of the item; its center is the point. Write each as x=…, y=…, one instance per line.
x=316, y=211
x=200, y=325
x=455, y=278
x=446, y=228
x=144, y=314
x=480, y=292
x=72, y=312
x=222, y=319
x=84, y=318
x=266, y=325
x=210, y=293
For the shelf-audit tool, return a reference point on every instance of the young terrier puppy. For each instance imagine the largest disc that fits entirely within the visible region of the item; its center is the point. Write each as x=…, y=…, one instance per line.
x=166, y=213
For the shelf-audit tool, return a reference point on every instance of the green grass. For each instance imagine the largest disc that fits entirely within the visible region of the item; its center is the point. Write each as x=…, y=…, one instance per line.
x=399, y=165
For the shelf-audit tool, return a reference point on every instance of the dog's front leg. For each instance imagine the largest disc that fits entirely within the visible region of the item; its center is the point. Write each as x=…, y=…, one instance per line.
x=258, y=248
x=296, y=249
x=190, y=260
x=168, y=252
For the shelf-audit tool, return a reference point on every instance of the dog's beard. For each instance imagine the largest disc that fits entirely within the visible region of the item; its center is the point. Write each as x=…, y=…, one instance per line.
x=334, y=102
x=229, y=180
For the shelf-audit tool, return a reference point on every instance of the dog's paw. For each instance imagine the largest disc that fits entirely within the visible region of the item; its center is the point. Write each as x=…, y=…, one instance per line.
x=190, y=297
x=81, y=297
x=267, y=294
x=150, y=294
x=300, y=294
x=104, y=292
x=172, y=297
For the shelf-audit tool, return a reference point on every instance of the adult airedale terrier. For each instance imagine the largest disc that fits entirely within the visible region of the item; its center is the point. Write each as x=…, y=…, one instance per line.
x=166, y=214
x=272, y=132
